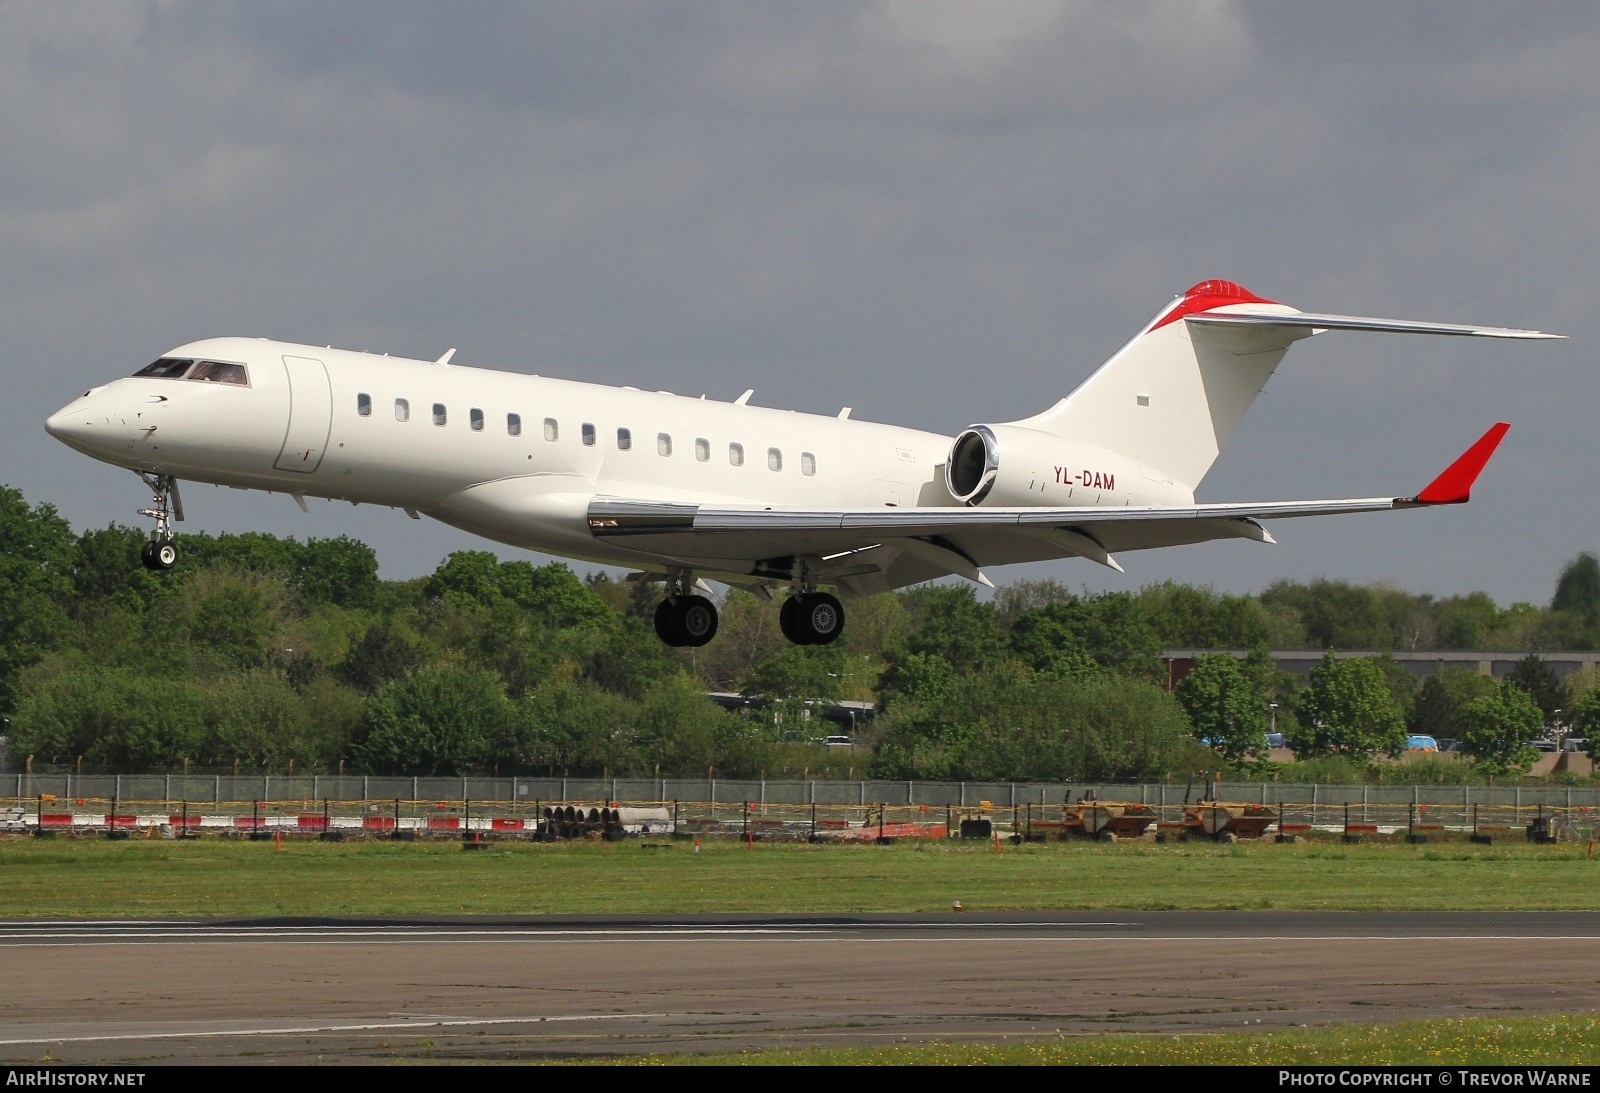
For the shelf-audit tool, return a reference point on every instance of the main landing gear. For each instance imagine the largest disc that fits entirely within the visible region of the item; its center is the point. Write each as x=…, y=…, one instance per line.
x=166, y=506
x=811, y=618
x=685, y=618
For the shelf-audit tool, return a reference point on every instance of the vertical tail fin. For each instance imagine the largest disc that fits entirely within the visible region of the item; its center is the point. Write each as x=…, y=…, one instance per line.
x=1173, y=395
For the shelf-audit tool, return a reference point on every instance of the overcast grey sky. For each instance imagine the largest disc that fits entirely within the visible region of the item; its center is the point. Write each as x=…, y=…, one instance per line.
x=939, y=213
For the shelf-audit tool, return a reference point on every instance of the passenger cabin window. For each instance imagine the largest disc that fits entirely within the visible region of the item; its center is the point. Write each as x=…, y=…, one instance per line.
x=167, y=368
x=774, y=459
x=663, y=444
x=402, y=410
x=808, y=463
x=438, y=413
x=588, y=433
x=624, y=440
x=736, y=454
x=514, y=424
x=475, y=417
x=702, y=448
x=218, y=372
x=552, y=431
x=364, y=405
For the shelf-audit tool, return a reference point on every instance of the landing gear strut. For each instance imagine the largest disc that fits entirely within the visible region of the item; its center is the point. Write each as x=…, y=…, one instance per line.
x=166, y=506
x=685, y=618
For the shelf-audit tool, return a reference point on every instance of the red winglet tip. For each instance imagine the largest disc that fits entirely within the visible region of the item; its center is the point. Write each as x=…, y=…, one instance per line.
x=1454, y=485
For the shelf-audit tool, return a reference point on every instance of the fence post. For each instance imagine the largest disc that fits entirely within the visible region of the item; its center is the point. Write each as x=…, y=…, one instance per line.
x=316, y=787
x=216, y=792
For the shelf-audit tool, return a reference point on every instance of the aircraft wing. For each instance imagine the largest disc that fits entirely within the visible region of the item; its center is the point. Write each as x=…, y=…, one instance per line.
x=873, y=549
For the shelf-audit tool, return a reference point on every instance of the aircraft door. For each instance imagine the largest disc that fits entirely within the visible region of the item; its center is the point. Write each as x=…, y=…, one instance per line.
x=310, y=415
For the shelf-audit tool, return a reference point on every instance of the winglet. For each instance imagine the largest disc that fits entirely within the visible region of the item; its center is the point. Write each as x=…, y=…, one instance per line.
x=1454, y=486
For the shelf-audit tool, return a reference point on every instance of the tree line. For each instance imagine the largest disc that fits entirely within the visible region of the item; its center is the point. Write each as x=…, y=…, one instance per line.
x=266, y=654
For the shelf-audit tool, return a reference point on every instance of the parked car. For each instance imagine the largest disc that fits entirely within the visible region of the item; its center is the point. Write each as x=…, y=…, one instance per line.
x=1421, y=743
x=1276, y=740
x=1542, y=745
x=1447, y=743
x=840, y=742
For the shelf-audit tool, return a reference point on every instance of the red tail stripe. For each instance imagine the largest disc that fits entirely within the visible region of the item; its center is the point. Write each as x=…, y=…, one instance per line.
x=1207, y=295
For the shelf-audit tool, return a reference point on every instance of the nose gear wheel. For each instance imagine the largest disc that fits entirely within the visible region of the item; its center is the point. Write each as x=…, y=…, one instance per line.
x=159, y=554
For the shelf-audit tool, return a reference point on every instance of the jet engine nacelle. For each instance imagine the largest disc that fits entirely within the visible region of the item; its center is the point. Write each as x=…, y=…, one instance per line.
x=1011, y=466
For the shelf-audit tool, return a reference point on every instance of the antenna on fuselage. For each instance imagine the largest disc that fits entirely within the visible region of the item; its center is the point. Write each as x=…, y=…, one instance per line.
x=744, y=398
x=445, y=357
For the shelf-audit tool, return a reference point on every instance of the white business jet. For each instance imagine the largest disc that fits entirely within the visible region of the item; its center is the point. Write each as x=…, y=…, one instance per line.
x=683, y=489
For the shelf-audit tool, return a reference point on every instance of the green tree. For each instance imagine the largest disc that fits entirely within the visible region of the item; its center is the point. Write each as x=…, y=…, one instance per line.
x=1539, y=682
x=1227, y=711
x=37, y=549
x=798, y=672
x=116, y=718
x=949, y=622
x=1585, y=721
x=1349, y=707
x=383, y=653
x=1578, y=588
x=1497, y=728
x=339, y=571
x=1010, y=724
x=1440, y=703
x=257, y=719
x=445, y=719
x=238, y=615
x=106, y=571
x=1334, y=614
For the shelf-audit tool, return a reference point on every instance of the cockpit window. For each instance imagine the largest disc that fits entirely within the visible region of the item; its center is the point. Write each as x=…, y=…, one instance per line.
x=167, y=368
x=218, y=372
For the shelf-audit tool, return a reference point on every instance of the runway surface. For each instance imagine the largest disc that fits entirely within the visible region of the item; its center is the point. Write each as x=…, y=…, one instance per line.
x=356, y=990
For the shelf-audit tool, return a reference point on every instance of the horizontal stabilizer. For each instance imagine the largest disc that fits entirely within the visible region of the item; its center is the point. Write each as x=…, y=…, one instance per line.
x=1304, y=319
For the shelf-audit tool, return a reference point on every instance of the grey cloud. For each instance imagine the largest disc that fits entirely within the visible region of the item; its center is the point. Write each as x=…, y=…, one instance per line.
x=933, y=216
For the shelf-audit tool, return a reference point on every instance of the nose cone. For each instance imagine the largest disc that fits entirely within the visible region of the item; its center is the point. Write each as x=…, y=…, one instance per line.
x=75, y=426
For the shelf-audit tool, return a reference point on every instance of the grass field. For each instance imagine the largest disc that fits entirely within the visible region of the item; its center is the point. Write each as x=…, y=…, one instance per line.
x=1539, y=1041
x=92, y=877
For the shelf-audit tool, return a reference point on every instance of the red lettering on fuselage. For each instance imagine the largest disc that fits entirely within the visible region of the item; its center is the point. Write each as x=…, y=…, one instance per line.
x=1094, y=480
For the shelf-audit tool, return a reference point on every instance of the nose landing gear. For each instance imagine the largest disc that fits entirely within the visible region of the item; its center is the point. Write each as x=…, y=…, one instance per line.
x=159, y=554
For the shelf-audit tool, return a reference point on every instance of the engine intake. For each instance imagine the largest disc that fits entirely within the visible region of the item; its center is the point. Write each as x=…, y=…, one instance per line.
x=973, y=466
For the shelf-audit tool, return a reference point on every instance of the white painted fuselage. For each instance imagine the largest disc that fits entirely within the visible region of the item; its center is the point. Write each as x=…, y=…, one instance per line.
x=518, y=458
